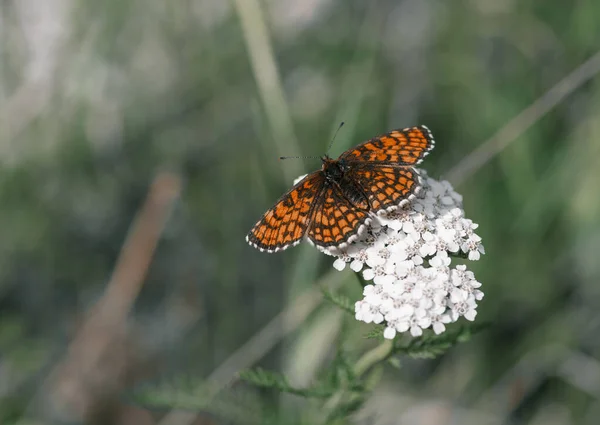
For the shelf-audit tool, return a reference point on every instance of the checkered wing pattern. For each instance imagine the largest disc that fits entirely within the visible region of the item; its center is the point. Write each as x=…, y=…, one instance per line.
x=335, y=221
x=406, y=147
x=386, y=187
x=332, y=205
x=285, y=224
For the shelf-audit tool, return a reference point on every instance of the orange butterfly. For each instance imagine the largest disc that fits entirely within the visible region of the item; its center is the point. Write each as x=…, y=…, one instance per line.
x=331, y=206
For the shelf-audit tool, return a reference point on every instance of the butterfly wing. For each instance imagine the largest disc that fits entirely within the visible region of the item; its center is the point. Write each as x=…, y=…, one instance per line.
x=407, y=146
x=386, y=187
x=335, y=220
x=285, y=223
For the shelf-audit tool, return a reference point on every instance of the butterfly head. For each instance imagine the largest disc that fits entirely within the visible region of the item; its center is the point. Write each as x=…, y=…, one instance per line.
x=333, y=169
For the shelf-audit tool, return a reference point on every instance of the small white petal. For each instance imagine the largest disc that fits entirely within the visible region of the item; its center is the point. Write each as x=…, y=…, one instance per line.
x=456, y=212
x=417, y=293
x=368, y=274
x=425, y=322
x=389, y=333
x=470, y=315
x=405, y=310
x=428, y=236
x=458, y=295
x=369, y=290
x=416, y=331
x=474, y=284
x=438, y=328
x=356, y=265
x=402, y=326
x=427, y=250
x=474, y=255
x=409, y=227
x=339, y=264
x=375, y=260
x=447, y=200
x=385, y=279
x=453, y=246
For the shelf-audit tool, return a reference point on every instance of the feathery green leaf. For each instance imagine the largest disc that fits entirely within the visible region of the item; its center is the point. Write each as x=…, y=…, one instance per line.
x=339, y=300
x=273, y=380
x=376, y=332
x=430, y=345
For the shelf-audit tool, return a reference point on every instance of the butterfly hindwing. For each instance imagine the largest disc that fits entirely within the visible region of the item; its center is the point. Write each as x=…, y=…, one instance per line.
x=286, y=222
x=406, y=146
x=335, y=220
x=386, y=187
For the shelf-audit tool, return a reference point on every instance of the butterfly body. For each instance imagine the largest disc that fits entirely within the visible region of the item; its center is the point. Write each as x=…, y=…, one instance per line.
x=337, y=173
x=331, y=206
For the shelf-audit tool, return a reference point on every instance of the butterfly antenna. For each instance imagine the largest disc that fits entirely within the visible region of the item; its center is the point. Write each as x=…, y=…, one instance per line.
x=298, y=157
x=333, y=138
x=316, y=157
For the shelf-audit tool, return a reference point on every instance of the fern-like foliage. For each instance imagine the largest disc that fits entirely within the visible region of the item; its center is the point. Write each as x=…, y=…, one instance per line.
x=341, y=389
x=193, y=393
x=338, y=300
x=376, y=332
x=273, y=380
x=430, y=345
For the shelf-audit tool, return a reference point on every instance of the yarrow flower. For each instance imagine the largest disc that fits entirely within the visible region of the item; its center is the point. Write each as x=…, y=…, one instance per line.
x=406, y=255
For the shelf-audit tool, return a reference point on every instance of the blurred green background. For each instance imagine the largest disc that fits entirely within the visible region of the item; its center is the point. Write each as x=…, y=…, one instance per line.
x=100, y=99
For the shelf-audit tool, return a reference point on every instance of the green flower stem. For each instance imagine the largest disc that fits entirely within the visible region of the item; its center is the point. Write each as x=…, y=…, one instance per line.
x=373, y=357
x=367, y=362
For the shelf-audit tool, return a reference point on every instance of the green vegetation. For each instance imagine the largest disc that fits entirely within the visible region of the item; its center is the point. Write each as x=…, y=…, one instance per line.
x=100, y=98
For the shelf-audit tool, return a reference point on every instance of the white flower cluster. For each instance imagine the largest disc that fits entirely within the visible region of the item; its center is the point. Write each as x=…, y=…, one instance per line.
x=405, y=253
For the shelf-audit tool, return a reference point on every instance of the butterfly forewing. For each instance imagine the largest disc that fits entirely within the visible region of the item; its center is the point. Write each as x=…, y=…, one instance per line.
x=285, y=223
x=406, y=146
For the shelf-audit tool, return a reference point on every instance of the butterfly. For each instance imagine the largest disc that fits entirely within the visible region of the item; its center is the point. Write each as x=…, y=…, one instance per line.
x=332, y=206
